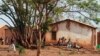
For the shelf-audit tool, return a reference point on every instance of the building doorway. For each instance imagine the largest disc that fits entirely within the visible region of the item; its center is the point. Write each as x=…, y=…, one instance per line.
x=98, y=38
x=54, y=35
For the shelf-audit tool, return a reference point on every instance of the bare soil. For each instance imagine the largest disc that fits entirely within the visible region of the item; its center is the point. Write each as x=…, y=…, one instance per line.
x=52, y=51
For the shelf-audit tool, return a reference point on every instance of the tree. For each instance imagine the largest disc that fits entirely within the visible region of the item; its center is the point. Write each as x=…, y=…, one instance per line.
x=27, y=16
x=31, y=18
x=97, y=20
x=88, y=6
x=20, y=18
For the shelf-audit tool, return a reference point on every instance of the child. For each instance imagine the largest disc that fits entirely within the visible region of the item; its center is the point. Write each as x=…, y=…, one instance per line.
x=12, y=46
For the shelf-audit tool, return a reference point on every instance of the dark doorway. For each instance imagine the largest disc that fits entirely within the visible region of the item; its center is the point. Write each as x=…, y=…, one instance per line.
x=98, y=38
x=53, y=35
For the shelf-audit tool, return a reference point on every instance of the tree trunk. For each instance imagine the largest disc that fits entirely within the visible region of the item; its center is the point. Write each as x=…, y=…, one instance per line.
x=38, y=50
x=39, y=45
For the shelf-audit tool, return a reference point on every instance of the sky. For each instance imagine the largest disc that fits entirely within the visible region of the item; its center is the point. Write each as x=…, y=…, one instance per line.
x=2, y=16
x=64, y=17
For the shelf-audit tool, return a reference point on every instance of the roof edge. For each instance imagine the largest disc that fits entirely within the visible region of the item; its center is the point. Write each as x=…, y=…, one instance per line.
x=74, y=21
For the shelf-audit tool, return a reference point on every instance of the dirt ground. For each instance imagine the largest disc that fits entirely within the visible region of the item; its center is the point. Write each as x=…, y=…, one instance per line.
x=52, y=51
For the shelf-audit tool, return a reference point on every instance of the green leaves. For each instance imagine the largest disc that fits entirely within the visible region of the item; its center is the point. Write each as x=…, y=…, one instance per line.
x=20, y=48
x=45, y=25
x=72, y=2
x=97, y=20
x=84, y=4
x=58, y=10
x=90, y=5
x=4, y=8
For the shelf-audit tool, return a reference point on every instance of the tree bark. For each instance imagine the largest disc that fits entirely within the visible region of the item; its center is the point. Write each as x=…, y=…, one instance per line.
x=39, y=44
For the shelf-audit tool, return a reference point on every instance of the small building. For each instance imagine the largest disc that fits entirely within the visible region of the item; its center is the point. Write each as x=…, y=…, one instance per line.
x=6, y=34
x=77, y=32
x=9, y=34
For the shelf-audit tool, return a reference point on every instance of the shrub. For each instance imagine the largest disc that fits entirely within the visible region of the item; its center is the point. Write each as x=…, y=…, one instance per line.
x=20, y=48
x=98, y=46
